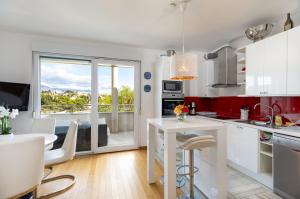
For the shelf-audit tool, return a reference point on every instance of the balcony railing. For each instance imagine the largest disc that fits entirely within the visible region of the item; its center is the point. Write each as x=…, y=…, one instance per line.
x=74, y=108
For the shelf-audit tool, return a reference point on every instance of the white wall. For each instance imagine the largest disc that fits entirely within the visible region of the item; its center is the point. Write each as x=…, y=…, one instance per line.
x=16, y=65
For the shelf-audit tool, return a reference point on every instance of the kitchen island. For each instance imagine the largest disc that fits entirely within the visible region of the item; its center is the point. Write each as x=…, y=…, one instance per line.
x=213, y=180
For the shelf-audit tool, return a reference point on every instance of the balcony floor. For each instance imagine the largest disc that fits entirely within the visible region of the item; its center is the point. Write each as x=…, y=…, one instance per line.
x=121, y=138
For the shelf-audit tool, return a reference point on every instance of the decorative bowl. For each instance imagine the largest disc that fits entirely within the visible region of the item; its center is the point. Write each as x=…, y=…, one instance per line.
x=258, y=32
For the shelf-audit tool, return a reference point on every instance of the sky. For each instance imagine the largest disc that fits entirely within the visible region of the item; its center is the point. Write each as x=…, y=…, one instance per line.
x=70, y=76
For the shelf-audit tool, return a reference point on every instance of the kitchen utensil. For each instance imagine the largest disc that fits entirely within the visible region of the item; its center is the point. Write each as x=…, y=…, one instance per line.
x=193, y=109
x=278, y=120
x=244, y=113
x=258, y=32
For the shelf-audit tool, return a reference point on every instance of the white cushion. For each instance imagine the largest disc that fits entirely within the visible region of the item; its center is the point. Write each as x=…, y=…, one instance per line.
x=67, y=152
x=55, y=156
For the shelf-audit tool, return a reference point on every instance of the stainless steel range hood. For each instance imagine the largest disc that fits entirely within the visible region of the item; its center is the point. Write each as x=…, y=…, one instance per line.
x=225, y=67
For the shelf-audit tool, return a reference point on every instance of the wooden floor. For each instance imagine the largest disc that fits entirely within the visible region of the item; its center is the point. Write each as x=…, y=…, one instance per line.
x=120, y=175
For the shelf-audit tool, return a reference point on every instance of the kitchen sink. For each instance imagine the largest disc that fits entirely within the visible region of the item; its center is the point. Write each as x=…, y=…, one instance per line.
x=255, y=122
x=259, y=123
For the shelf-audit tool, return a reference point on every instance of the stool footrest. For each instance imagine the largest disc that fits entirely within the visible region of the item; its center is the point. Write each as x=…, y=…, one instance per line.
x=183, y=173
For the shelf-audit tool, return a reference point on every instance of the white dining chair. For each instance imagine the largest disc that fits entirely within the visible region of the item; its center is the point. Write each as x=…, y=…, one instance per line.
x=22, y=166
x=43, y=125
x=61, y=155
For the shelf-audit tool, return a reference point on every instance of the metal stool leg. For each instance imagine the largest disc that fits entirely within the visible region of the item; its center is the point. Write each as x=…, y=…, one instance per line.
x=191, y=168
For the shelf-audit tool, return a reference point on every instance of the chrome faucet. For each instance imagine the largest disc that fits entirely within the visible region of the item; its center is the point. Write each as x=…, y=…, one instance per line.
x=271, y=117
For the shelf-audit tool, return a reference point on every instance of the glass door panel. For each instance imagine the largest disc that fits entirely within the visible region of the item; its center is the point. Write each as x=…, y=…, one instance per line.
x=117, y=96
x=65, y=92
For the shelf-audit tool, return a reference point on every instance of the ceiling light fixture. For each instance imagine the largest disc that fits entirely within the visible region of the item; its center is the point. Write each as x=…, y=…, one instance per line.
x=184, y=65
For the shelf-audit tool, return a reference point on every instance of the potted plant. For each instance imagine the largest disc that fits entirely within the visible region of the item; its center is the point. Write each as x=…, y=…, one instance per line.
x=181, y=112
x=5, y=114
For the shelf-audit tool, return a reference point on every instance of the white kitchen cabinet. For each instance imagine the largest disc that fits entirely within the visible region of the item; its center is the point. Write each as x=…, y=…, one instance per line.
x=255, y=59
x=206, y=75
x=275, y=66
x=233, y=144
x=249, y=148
x=165, y=67
x=242, y=146
x=266, y=66
x=293, y=70
x=202, y=85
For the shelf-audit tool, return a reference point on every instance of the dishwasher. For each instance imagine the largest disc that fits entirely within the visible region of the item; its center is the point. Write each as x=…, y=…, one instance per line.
x=286, y=162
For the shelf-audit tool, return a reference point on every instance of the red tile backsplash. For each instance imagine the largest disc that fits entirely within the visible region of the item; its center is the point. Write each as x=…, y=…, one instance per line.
x=288, y=107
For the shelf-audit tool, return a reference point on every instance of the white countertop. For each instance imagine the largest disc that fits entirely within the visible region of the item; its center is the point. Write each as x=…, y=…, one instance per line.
x=172, y=125
x=291, y=131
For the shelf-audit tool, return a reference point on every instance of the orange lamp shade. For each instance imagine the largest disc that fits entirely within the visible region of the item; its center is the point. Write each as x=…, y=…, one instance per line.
x=184, y=67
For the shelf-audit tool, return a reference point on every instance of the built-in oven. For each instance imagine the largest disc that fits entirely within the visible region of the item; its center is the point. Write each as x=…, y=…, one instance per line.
x=174, y=87
x=169, y=102
x=286, y=157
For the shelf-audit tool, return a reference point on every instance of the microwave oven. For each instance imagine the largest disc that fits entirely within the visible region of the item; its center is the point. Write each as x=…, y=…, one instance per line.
x=172, y=86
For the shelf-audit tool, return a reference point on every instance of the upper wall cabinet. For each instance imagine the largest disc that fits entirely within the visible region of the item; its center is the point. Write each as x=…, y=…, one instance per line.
x=255, y=60
x=293, y=71
x=202, y=85
x=266, y=63
x=275, y=66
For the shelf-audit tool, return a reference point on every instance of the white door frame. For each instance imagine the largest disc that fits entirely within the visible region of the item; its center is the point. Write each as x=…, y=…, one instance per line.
x=137, y=102
x=36, y=102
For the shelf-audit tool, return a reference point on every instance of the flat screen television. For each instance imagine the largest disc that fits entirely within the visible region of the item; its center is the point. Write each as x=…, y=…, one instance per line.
x=14, y=95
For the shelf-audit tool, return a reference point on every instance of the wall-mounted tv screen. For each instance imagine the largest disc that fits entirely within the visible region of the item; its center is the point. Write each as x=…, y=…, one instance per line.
x=14, y=95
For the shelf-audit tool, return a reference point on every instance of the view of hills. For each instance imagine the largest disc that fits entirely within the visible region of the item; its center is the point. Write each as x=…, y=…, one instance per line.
x=61, y=90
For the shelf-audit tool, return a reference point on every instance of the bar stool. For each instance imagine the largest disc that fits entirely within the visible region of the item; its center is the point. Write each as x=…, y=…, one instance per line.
x=180, y=179
x=191, y=143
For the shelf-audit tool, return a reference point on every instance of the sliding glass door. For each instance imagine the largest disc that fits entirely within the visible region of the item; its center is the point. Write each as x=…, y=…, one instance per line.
x=117, y=101
x=101, y=95
x=65, y=95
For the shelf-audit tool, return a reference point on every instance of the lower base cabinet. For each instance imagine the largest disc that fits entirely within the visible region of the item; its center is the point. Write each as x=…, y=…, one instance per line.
x=243, y=146
x=247, y=154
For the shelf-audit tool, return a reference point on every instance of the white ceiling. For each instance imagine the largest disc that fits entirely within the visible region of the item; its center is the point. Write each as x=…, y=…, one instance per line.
x=144, y=23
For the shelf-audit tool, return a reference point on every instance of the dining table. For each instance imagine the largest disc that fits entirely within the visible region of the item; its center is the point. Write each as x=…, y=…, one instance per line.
x=49, y=139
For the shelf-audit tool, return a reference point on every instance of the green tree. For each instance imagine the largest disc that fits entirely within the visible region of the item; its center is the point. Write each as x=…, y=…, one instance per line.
x=104, y=102
x=72, y=101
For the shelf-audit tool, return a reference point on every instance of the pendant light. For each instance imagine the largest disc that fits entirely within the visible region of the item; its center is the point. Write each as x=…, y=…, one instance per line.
x=183, y=65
